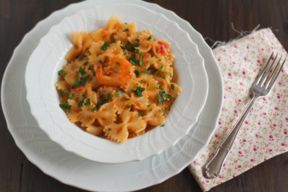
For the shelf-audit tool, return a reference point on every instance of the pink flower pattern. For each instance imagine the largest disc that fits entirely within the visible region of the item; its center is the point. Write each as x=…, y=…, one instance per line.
x=264, y=134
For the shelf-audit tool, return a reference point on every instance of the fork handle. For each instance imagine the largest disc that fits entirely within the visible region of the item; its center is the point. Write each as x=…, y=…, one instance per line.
x=213, y=167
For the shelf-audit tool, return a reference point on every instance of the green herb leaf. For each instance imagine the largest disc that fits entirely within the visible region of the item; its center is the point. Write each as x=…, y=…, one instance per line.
x=137, y=73
x=138, y=91
x=137, y=50
x=80, y=103
x=129, y=47
x=162, y=68
x=63, y=92
x=133, y=60
x=65, y=106
x=87, y=102
x=105, y=46
x=119, y=93
x=62, y=73
x=82, y=71
x=140, y=62
x=102, y=101
x=163, y=95
x=76, y=84
x=149, y=38
x=168, y=96
x=80, y=82
x=172, y=86
x=71, y=95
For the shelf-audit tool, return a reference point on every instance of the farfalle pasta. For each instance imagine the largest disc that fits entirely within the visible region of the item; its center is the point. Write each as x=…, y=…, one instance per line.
x=118, y=82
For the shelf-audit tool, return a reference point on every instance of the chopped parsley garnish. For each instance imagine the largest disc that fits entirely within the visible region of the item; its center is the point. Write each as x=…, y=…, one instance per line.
x=138, y=91
x=137, y=73
x=172, y=86
x=163, y=95
x=169, y=97
x=105, y=46
x=102, y=101
x=82, y=71
x=162, y=125
x=65, y=106
x=133, y=60
x=63, y=92
x=140, y=59
x=149, y=38
x=162, y=68
x=71, y=95
x=80, y=82
x=129, y=47
x=62, y=73
x=87, y=102
x=125, y=30
x=80, y=103
x=119, y=93
x=137, y=50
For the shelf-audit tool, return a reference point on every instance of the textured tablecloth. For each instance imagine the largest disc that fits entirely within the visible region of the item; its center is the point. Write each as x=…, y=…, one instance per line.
x=264, y=134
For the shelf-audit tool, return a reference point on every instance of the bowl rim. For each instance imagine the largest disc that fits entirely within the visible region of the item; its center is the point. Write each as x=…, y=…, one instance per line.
x=79, y=151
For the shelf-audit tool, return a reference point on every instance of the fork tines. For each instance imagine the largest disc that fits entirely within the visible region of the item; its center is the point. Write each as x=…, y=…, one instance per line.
x=270, y=72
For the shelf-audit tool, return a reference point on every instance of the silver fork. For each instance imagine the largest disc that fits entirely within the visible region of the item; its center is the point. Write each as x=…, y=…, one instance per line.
x=260, y=87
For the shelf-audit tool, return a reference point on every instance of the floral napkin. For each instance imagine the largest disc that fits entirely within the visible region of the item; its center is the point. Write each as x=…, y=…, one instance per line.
x=264, y=134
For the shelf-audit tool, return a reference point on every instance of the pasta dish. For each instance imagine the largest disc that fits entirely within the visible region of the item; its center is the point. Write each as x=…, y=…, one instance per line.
x=118, y=82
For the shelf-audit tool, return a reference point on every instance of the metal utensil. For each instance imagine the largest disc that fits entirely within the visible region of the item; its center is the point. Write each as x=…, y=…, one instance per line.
x=260, y=87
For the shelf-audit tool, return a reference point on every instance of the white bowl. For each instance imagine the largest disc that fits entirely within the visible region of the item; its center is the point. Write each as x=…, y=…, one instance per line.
x=48, y=58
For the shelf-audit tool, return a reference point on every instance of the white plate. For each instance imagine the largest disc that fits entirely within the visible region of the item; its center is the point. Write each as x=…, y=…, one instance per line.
x=73, y=170
x=48, y=58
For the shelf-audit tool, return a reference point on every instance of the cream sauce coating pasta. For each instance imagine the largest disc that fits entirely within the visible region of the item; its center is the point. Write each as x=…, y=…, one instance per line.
x=118, y=82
